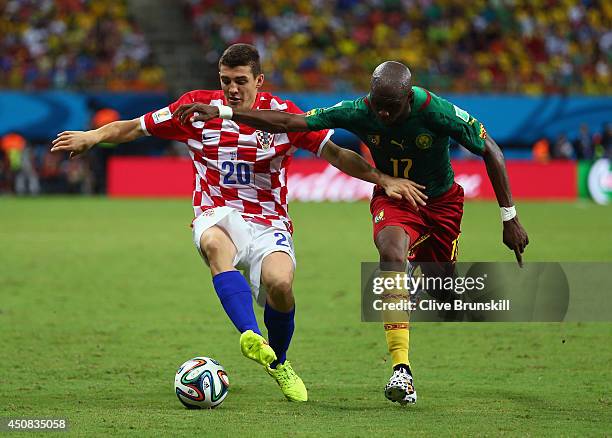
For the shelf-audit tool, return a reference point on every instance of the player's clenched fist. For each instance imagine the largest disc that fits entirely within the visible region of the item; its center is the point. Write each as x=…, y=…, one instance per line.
x=75, y=142
x=195, y=112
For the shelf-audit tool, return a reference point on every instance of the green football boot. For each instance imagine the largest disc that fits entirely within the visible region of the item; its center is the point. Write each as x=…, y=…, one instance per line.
x=255, y=347
x=289, y=382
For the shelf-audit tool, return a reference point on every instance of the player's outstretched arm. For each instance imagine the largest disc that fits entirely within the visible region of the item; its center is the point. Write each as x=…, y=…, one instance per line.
x=354, y=165
x=77, y=142
x=267, y=120
x=514, y=235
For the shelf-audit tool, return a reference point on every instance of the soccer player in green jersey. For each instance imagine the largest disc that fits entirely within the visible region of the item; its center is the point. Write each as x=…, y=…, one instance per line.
x=408, y=131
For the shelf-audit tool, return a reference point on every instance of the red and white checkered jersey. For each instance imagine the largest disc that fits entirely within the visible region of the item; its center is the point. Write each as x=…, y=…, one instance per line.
x=236, y=165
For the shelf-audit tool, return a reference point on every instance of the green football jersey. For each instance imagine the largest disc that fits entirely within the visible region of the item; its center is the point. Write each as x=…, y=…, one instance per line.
x=416, y=148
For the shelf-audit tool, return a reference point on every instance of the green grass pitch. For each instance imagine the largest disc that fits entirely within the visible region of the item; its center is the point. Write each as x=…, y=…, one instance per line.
x=102, y=299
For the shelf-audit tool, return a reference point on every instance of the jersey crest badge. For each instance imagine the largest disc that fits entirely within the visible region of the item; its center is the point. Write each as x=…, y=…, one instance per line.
x=265, y=139
x=374, y=140
x=379, y=216
x=424, y=141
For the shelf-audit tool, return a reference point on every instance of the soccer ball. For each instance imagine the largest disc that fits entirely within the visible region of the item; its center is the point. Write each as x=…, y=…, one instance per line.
x=201, y=383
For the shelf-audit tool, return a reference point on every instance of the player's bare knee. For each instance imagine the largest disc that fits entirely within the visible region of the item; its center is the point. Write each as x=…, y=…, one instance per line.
x=392, y=253
x=392, y=257
x=218, y=249
x=280, y=287
x=277, y=277
x=280, y=293
x=212, y=241
x=392, y=244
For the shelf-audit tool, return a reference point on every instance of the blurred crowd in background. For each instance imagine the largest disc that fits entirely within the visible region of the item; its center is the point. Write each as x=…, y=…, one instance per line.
x=29, y=168
x=526, y=46
x=586, y=145
x=73, y=44
x=530, y=47
x=510, y=46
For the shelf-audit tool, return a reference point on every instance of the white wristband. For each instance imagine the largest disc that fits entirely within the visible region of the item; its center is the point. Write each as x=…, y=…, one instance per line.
x=507, y=213
x=226, y=112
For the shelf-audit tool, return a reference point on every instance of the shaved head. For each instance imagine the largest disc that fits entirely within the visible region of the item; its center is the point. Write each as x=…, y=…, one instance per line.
x=391, y=91
x=391, y=78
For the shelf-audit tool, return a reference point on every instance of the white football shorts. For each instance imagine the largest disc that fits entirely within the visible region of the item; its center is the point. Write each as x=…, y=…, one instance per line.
x=253, y=243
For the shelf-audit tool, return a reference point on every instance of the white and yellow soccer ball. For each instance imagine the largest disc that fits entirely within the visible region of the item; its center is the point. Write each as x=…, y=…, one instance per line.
x=201, y=383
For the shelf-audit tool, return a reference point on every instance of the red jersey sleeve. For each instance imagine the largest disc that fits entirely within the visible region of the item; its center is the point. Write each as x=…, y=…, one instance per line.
x=161, y=124
x=312, y=141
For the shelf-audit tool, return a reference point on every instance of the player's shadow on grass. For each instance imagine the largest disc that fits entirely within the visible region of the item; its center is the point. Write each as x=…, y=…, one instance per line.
x=522, y=398
x=352, y=405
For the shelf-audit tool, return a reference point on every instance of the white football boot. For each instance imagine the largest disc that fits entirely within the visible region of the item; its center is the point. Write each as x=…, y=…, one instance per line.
x=401, y=388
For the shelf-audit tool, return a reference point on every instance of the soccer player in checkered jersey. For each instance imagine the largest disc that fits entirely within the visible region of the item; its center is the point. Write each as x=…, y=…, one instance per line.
x=407, y=129
x=240, y=200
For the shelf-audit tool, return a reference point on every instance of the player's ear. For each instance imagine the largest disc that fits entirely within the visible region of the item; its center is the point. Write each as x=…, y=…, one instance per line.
x=259, y=80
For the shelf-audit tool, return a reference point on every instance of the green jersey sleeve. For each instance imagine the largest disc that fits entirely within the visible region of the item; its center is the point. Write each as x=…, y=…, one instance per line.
x=337, y=116
x=445, y=118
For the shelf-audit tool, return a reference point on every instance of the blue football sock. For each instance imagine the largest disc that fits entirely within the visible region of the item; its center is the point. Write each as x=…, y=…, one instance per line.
x=235, y=295
x=280, y=330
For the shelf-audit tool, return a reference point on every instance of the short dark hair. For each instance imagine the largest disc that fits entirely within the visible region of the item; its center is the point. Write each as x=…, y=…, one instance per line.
x=241, y=54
